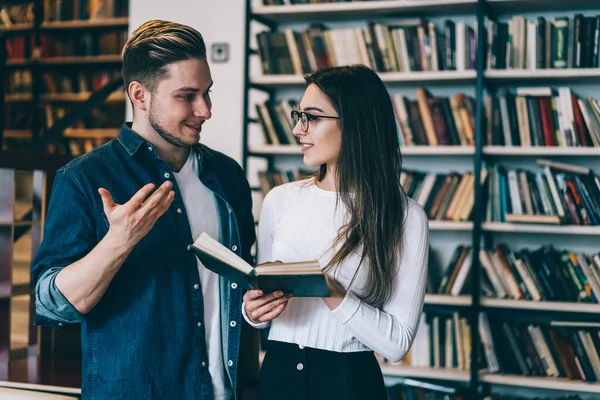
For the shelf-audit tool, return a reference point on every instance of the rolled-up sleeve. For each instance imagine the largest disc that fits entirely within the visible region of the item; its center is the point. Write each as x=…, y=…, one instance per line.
x=69, y=235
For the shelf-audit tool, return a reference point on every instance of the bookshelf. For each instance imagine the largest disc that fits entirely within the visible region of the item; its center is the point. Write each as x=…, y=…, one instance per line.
x=22, y=211
x=74, y=50
x=477, y=82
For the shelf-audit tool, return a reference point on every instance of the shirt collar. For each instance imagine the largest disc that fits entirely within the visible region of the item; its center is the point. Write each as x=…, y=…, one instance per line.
x=132, y=142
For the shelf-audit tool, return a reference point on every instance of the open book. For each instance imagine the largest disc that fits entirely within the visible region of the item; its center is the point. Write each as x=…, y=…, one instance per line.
x=301, y=279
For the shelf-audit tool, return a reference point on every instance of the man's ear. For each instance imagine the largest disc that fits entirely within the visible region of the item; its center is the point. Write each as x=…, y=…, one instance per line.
x=139, y=95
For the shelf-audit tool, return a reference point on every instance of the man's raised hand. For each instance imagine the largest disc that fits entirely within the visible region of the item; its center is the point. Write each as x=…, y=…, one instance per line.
x=131, y=221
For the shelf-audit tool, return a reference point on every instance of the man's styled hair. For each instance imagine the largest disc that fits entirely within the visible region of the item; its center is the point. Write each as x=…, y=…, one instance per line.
x=156, y=44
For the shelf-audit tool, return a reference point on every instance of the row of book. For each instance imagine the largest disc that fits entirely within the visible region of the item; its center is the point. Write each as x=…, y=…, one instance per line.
x=444, y=197
x=19, y=82
x=555, y=349
x=563, y=42
x=409, y=45
x=270, y=179
x=18, y=116
x=542, y=116
x=442, y=341
x=64, y=146
x=88, y=44
x=560, y=194
x=16, y=14
x=417, y=389
x=64, y=10
x=559, y=349
x=276, y=121
x=435, y=120
x=563, y=194
x=543, y=274
x=427, y=121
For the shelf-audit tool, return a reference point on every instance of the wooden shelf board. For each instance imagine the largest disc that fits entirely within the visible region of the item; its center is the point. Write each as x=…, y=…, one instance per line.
x=406, y=151
x=425, y=372
x=41, y=388
x=62, y=97
x=541, y=151
x=91, y=133
x=450, y=226
x=575, y=74
x=533, y=228
x=542, y=383
x=17, y=134
x=18, y=63
x=108, y=58
x=443, y=299
x=86, y=24
x=516, y=6
x=362, y=10
x=27, y=223
x=387, y=77
x=16, y=28
x=541, y=305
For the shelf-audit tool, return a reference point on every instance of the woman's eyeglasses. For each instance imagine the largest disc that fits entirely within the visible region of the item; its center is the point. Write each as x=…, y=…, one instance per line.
x=305, y=118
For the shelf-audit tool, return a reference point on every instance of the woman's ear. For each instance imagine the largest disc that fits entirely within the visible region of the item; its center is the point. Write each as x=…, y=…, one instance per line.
x=137, y=93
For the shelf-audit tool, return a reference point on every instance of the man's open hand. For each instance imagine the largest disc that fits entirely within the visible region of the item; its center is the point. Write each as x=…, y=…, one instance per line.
x=131, y=221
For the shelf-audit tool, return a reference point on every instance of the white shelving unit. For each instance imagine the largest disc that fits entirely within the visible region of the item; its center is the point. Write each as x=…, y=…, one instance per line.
x=292, y=15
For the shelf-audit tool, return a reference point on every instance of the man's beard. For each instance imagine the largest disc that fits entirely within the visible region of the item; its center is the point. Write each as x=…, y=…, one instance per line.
x=163, y=133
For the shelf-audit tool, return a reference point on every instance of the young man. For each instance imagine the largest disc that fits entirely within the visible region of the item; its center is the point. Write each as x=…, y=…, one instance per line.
x=156, y=324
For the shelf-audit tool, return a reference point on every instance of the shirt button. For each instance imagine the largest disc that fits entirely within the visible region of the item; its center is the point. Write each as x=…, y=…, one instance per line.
x=300, y=366
x=199, y=324
x=232, y=324
x=150, y=148
x=230, y=363
x=167, y=175
x=179, y=211
x=234, y=285
x=300, y=346
x=234, y=247
x=204, y=363
x=196, y=286
x=60, y=324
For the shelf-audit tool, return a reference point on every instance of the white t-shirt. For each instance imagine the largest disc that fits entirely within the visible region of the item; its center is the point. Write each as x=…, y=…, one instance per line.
x=202, y=213
x=299, y=222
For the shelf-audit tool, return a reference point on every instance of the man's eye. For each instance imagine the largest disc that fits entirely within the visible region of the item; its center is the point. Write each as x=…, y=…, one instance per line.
x=187, y=97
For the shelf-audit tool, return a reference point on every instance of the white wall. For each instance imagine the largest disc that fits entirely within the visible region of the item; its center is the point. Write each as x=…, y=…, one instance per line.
x=218, y=22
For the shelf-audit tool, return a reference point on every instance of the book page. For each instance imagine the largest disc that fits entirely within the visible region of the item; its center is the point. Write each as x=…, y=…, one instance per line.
x=211, y=246
x=295, y=268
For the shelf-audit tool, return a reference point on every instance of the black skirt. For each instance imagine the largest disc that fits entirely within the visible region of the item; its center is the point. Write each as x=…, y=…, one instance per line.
x=293, y=373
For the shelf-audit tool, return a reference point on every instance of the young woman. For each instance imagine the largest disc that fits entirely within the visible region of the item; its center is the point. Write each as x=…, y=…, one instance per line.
x=371, y=240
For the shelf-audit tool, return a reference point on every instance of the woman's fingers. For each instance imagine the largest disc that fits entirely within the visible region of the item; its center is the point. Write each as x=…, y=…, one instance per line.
x=269, y=310
x=257, y=302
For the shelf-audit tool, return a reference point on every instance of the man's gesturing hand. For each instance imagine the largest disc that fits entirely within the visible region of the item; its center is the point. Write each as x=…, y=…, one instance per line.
x=131, y=221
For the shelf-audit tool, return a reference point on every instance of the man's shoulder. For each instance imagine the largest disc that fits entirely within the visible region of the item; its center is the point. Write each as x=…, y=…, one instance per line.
x=218, y=159
x=93, y=160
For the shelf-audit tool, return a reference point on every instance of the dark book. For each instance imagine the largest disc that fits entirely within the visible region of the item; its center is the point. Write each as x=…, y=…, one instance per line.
x=301, y=279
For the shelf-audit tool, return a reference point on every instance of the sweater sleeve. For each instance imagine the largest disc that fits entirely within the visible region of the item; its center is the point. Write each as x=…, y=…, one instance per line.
x=390, y=331
x=266, y=226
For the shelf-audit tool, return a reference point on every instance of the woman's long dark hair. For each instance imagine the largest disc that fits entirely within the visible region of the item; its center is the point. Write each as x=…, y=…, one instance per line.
x=368, y=174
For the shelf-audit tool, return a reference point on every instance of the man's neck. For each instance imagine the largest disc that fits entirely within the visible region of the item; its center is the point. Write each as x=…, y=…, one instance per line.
x=174, y=156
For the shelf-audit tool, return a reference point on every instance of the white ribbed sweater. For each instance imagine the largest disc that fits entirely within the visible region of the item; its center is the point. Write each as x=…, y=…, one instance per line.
x=299, y=222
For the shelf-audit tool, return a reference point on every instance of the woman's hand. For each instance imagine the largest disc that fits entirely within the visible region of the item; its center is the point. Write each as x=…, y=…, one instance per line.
x=262, y=308
x=336, y=293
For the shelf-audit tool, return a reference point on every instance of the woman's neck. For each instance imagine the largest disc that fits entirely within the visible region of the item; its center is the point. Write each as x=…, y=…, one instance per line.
x=329, y=182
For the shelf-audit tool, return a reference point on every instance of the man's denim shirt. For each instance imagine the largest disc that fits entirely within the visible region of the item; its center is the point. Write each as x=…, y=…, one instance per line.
x=145, y=339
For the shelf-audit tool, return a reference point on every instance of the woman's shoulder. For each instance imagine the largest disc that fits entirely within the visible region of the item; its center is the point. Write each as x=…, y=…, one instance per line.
x=289, y=191
x=415, y=214
x=290, y=188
